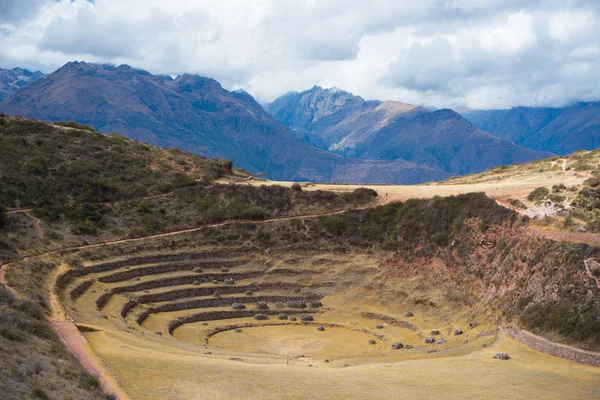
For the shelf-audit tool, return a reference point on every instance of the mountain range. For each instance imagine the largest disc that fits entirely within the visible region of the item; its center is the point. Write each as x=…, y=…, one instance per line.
x=559, y=130
x=12, y=80
x=317, y=135
x=350, y=126
x=195, y=114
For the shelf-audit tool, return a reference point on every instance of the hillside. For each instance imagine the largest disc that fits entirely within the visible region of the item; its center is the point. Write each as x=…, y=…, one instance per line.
x=12, y=80
x=348, y=125
x=558, y=130
x=139, y=256
x=88, y=186
x=197, y=115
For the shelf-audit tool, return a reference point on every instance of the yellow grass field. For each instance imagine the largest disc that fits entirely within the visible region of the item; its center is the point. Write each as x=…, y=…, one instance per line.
x=283, y=359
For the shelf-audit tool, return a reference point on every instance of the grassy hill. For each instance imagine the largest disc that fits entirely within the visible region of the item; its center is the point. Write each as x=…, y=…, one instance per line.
x=87, y=186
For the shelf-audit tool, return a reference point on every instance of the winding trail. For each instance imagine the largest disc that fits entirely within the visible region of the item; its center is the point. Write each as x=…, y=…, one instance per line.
x=592, y=239
x=19, y=210
x=37, y=223
x=78, y=345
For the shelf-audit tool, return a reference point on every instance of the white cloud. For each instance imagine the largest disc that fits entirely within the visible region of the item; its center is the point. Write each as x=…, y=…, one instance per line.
x=478, y=53
x=573, y=25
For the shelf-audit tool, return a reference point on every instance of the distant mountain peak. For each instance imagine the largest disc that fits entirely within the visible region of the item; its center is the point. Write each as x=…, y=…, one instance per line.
x=74, y=66
x=560, y=130
x=341, y=122
x=12, y=80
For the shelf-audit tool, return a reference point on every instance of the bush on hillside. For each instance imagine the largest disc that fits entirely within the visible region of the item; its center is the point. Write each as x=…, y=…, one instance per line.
x=593, y=182
x=538, y=194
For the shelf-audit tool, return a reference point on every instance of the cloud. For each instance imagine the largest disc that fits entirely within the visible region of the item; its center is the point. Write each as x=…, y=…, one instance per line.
x=475, y=53
x=15, y=11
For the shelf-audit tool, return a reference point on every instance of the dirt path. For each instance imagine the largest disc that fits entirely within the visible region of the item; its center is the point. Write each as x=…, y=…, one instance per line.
x=77, y=344
x=592, y=239
x=19, y=210
x=37, y=224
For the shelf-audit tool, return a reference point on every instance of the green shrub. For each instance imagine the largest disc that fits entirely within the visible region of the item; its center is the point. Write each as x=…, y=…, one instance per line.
x=583, y=166
x=143, y=206
x=89, y=381
x=593, y=182
x=254, y=213
x=568, y=321
x=557, y=199
x=538, y=194
x=38, y=393
x=11, y=333
x=516, y=203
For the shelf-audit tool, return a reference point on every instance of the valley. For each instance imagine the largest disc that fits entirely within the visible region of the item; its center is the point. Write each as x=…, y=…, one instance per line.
x=350, y=290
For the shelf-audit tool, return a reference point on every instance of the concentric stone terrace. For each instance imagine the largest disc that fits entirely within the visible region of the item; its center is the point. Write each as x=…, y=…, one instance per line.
x=235, y=301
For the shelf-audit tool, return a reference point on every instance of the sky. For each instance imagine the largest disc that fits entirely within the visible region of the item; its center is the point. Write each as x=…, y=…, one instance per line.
x=477, y=54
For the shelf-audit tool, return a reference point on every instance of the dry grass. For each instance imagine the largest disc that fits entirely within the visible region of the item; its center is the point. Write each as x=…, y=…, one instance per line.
x=151, y=366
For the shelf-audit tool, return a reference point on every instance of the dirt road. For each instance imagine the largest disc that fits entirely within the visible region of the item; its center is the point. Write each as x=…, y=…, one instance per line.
x=592, y=239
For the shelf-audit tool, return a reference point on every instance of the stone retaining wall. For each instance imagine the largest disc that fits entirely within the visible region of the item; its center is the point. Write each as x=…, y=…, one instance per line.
x=291, y=271
x=81, y=289
x=179, y=280
x=392, y=321
x=127, y=307
x=158, y=269
x=207, y=291
x=64, y=279
x=103, y=299
x=220, y=315
x=161, y=258
x=225, y=328
x=554, y=349
x=218, y=302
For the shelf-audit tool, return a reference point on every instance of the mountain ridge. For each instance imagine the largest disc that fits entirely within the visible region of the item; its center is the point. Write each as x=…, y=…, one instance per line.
x=353, y=127
x=559, y=130
x=196, y=114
